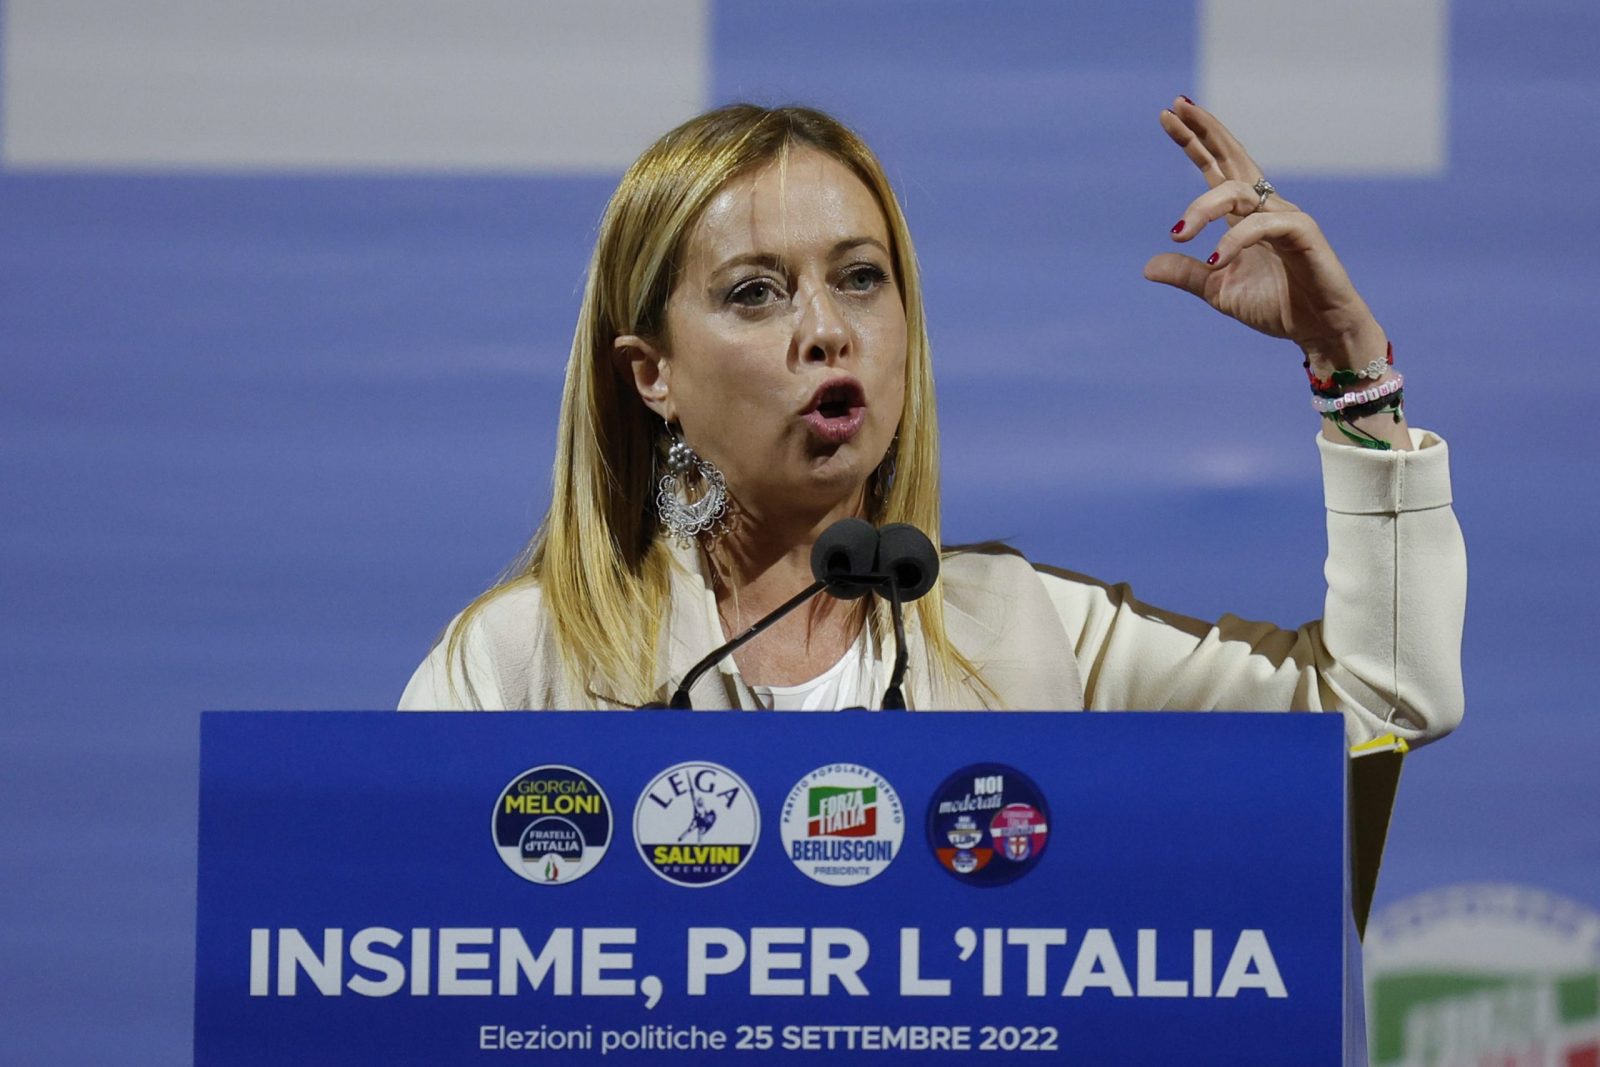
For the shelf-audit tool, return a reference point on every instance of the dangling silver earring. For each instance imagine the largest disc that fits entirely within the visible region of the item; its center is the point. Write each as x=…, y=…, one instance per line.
x=684, y=515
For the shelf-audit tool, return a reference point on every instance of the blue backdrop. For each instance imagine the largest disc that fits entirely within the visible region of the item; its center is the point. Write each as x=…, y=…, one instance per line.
x=264, y=431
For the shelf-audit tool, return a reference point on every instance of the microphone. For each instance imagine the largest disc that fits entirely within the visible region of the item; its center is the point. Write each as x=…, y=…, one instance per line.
x=841, y=563
x=909, y=565
x=845, y=557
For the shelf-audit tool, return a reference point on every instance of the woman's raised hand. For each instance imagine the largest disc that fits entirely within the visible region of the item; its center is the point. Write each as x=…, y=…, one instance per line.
x=1273, y=269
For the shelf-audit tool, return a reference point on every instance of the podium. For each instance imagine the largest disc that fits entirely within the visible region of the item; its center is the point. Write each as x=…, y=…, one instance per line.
x=707, y=887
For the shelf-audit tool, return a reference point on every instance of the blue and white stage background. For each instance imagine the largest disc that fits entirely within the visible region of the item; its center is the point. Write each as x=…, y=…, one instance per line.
x=285, y=292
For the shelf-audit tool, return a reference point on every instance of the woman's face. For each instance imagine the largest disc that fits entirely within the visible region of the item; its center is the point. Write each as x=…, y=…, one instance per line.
x=784, y=359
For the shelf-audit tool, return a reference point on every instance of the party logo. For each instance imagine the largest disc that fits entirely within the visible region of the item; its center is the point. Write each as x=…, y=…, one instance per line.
x=1481, y=973
x=842, y=824
x=988, y=824
x=697, y=824
x=552, y=824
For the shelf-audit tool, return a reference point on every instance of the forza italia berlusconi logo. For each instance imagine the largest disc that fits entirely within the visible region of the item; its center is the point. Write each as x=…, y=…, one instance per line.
x=696, y=824
x=552, y=824
x=842, y=824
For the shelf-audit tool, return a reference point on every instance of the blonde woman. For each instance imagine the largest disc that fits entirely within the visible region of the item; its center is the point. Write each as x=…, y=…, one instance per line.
x=751, y=364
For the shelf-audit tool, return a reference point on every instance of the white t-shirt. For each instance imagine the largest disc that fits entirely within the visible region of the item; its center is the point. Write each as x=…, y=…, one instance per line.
x=847, y=684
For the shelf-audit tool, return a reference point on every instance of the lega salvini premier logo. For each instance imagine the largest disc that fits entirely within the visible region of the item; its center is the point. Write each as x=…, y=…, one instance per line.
x=696, y=824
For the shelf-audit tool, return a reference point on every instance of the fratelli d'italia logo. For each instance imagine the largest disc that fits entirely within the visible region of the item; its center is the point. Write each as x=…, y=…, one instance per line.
x=697, y=824
x=842, y=824
x=552, y=824
x=988, y=824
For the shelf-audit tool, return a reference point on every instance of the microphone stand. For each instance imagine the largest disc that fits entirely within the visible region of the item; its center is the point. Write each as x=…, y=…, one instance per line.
x=680, y=698
x=893, y=698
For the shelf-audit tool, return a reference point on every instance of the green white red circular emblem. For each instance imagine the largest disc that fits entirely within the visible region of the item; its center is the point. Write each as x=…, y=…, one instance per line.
x=842, y=824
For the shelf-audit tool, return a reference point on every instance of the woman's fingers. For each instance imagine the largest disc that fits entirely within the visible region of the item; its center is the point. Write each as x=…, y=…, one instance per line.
x=1231, y=158
x=1180, y=272
x=1292, y=285
x=1198, y=154
x=1232, y=199
x=1289, y=231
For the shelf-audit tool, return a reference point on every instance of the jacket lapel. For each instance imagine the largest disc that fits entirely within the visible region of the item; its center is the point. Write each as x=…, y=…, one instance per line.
x=1019, y=647
x=925, y=687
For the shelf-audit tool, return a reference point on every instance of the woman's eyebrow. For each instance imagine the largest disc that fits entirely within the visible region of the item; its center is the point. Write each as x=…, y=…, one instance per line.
x=770, y=260
x=855, y=242
x=773, y=261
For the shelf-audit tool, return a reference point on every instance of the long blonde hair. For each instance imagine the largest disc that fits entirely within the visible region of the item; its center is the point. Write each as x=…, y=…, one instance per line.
x=599, y=559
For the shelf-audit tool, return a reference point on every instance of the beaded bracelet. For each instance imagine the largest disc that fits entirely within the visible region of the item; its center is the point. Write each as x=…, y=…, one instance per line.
x=1389, y=405
x=1327, y=405
x=1333, y=383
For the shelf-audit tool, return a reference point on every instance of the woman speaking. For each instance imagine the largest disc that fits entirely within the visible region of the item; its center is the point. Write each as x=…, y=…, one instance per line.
x=751, y=364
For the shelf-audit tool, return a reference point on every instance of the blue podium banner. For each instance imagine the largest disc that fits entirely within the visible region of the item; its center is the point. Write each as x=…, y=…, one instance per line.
x=698, y=888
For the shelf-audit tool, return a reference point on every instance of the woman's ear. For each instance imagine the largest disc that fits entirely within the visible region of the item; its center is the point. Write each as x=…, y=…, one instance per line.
x=648, y=368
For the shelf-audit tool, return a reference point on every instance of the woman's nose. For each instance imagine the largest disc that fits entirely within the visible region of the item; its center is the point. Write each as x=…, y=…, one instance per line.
x=823, y=335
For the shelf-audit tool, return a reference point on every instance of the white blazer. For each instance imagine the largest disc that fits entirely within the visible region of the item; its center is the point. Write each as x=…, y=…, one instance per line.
x=1387, y=652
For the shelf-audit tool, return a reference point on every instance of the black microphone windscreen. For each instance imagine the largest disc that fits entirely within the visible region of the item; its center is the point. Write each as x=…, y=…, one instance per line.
x=845, y=551
x=906, y=555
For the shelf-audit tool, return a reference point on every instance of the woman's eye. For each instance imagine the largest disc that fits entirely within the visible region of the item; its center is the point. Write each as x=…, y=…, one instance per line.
x=864, y=278
x=758, y=292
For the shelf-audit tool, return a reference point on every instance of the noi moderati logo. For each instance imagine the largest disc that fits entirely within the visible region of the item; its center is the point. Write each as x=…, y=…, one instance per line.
x=1484, y=974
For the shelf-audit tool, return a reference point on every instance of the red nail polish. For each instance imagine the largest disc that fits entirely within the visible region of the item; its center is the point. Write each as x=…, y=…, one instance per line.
x=1211, y=260
x=1186, y=100
x=1178, y=226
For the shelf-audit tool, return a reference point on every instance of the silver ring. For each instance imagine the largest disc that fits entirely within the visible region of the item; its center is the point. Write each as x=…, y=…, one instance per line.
x=1263, y=189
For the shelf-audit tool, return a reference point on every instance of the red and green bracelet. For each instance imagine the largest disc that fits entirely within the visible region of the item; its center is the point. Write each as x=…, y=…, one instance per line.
x=1334, y=384
x=1341, y=408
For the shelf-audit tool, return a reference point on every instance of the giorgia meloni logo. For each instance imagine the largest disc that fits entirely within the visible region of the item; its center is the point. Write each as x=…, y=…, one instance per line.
x=696, y=824
x=552, y=824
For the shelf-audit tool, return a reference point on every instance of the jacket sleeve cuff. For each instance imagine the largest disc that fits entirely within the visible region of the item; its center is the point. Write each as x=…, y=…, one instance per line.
x=1363, y=481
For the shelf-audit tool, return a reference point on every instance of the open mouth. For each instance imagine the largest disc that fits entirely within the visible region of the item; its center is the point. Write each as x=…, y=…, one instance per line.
x=837, y=410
